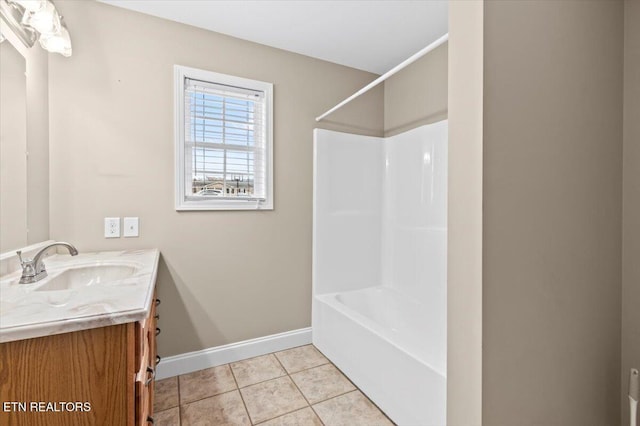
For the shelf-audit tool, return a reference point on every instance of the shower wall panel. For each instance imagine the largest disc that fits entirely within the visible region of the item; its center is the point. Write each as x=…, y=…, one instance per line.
x=347, y=212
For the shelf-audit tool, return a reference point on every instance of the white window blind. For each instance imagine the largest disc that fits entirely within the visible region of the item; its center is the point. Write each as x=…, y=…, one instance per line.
x=225, y=141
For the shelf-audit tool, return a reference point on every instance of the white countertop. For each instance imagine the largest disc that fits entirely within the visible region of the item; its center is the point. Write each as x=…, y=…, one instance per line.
x=26, y=312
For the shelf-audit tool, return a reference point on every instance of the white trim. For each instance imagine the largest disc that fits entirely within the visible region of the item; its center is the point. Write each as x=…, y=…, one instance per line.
x=219, y=355
x=180, y=72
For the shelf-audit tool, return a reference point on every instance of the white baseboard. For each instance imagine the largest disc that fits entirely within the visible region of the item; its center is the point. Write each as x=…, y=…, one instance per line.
x=219, y=355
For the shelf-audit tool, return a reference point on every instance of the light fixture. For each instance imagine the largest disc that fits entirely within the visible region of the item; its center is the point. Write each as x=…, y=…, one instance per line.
x=31, y=5
x=59, y=42
x=45, y=20
x=37, y=19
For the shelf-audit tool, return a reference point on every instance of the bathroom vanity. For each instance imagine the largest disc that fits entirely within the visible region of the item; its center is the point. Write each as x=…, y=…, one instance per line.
x=79, y=347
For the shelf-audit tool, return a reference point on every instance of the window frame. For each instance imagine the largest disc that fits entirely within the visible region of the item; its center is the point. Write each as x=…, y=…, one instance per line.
x=181, y=203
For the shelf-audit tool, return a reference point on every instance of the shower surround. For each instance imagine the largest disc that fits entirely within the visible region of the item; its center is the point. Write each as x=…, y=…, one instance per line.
x=379, y=266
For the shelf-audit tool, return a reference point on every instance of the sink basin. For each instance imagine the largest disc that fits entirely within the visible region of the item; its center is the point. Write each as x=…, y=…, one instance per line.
x=85, y=276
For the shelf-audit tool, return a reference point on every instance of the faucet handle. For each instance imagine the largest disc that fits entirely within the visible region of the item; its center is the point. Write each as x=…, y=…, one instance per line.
x=23, y=262
x=27, y=266
x=19, y=253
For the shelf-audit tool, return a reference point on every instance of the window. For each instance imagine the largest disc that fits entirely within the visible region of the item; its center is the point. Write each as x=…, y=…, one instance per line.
x=224, y=146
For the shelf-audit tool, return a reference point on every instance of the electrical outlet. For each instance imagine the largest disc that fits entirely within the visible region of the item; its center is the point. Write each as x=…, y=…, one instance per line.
x=130, y=227
x=112, y=227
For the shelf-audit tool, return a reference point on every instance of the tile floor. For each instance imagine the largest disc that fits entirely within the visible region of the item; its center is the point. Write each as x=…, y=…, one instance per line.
x=296, y=387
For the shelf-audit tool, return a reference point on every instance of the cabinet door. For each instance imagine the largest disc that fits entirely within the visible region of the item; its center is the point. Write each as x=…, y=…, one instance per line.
x=90, y=366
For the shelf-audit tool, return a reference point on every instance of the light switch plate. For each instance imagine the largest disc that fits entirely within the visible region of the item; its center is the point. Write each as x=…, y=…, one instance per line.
x=130, y=227
x=112, y=227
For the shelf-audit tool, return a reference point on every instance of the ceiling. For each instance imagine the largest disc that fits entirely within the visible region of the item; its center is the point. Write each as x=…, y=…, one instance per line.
x=371, y=35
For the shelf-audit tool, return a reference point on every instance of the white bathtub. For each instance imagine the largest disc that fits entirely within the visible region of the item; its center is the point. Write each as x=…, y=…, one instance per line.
x=379, y=330
x=379, y=266
x=411, y=326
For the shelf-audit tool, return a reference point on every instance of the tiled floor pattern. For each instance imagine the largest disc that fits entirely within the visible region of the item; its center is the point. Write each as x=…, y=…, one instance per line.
x=296, y=387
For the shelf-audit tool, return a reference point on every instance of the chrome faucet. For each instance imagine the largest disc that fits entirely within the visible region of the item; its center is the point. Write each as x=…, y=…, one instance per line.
x=33, y=270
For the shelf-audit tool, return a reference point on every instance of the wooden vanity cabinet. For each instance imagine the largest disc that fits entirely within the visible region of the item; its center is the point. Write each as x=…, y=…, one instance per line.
x=99, y=376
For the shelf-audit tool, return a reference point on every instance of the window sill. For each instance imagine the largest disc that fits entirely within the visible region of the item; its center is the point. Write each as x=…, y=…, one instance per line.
x=224, y=205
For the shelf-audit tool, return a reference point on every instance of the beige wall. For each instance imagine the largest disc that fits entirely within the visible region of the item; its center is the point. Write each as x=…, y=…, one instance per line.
x=552, y=189
x=631, y=200
x=552, y=212
x=417, y=95
x=224, y=276
x=464, y=257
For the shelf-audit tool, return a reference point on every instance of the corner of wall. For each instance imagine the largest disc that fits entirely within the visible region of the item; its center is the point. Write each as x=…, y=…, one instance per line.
x=464, y=270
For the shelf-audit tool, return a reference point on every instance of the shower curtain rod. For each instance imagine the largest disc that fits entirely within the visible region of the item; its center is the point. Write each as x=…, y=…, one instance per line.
x=388, y=74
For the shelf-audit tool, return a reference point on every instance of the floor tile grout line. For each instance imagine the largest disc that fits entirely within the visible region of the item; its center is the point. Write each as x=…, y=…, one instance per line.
x=246, y=409
x=166, y=408
x=308, y=368
x=354, y=385
x=262, y=381
x=342, y=372
x=311, y=405
x=334, y=396
x=296, y=386
x=207, y=397
x=273, y=378
x=253, y=357
x=367, y=398
x=294, y=383
x=179, y=408
x=317, y=415
x=358, y=389
x=282, y=415
x=282, y=365
x=259, y=383
x=300, y=390
x=288, y=412
x=275, y=354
